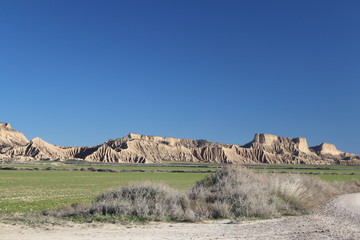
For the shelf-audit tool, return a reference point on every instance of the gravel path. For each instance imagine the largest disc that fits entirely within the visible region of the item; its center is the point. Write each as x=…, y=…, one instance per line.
x=340, y=219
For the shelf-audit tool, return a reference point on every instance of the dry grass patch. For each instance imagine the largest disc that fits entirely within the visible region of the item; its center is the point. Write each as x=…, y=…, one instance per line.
x=232, y=192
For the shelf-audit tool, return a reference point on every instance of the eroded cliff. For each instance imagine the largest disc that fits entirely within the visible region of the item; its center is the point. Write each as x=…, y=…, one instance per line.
x=136, y=148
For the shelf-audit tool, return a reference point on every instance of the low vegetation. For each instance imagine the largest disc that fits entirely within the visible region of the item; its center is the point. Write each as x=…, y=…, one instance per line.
x=24, y=191
x=232, y=192
x=193, y=191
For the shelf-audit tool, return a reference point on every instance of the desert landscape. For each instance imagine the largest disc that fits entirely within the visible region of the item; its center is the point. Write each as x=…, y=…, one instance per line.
x=184, y=211
x=217, y=191
x=198, y=119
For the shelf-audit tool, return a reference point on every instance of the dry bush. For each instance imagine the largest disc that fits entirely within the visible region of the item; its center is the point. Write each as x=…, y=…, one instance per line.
x=232, y=192
x=352, y=186
x=297, y=194
x=238, y=192
x=144, y=200
x=75, y=209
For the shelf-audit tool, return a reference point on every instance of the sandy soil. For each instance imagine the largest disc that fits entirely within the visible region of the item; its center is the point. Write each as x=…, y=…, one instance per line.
x=340, y=219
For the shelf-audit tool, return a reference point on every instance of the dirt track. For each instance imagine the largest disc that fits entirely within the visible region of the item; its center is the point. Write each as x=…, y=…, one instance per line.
x=340, y=219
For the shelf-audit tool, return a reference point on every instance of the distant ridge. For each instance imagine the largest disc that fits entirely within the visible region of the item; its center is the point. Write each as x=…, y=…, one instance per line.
x=137, y=148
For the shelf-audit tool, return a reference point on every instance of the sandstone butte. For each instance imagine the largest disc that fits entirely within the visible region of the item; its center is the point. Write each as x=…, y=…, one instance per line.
x=135, y=148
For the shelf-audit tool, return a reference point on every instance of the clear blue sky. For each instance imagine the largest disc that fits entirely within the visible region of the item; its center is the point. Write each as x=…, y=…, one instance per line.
x=81, y=72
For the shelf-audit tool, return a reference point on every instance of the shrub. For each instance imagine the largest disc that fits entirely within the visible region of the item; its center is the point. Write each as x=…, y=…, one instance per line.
x=235, y=192
x=232, y=192
x=144, y=200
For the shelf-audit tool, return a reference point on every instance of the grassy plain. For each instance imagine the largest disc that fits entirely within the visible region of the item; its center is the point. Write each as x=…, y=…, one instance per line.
x=315, y=171
x=339, y=178
x=35, y=190
x=117, y=167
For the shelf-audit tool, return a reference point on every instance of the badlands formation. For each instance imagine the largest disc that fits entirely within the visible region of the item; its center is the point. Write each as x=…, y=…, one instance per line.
x=135, y=148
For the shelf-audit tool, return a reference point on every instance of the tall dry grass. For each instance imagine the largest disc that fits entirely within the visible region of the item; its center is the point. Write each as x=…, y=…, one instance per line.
x=144, y=200
x=232, y=192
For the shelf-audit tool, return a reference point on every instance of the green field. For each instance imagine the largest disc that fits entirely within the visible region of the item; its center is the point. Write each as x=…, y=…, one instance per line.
x=36, y=190
x=315, y=171
x=32, y=191
x=325, y=172
x=339, y=178
x=118, y=167
x=304, y=166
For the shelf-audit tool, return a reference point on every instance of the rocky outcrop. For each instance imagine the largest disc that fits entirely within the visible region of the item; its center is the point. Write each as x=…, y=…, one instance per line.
x=10, y=137
x=279, y=145
x=38, y=149
x=136, y=148
x=104, y=153
x=327, y=149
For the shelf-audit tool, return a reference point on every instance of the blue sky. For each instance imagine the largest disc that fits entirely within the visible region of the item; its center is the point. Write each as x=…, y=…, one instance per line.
x=81, y=72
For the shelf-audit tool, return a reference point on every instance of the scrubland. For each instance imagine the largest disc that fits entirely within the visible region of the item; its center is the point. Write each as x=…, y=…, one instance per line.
x=233, y=192
x=145, y=194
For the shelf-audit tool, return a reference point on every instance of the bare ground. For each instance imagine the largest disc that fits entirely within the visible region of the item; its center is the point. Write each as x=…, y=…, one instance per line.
x=340, y=219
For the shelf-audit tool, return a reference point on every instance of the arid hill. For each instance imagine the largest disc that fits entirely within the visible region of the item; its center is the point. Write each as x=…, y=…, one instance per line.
x=10, y=138
x=136, y=148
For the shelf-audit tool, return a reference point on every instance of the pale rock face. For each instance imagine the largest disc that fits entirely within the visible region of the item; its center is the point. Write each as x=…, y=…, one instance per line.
x=10, y=137
x=301, y=144
x=136, y=148
x=104, y=154
x=265, y=139
x=328, y=148
x=38, y=149
x=5, y=125
x=279, y=145
x=169, y=140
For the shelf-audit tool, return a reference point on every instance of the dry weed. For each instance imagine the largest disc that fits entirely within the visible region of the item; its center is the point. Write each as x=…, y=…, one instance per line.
x=232, y=192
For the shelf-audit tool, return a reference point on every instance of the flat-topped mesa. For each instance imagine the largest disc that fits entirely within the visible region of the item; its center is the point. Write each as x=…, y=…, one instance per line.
x=328, y=149
x=170, y=141
x=265, y=139
x=279, y=145
x=152, y=138
x=5, y=125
